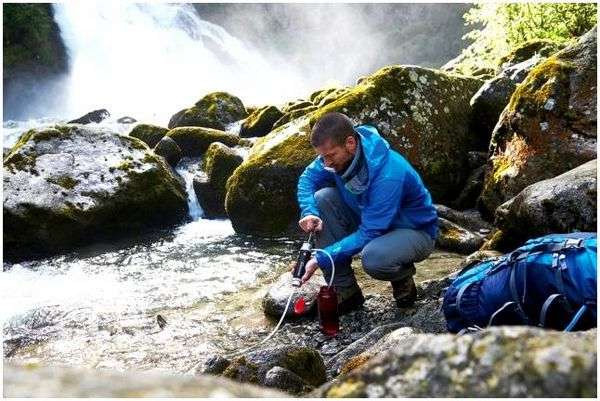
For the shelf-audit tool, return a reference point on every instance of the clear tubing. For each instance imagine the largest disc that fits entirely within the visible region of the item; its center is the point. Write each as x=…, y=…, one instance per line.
x=332, y=264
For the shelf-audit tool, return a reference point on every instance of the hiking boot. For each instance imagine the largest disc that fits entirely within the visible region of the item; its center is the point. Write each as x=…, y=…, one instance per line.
x=349, y=299
x=405, y=292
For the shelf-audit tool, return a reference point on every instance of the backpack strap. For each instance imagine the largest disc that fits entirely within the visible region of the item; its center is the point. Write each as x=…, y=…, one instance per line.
x=576, y=318
x=506, y=305
x=546, y=306
x=515, y=295
x=460, y=294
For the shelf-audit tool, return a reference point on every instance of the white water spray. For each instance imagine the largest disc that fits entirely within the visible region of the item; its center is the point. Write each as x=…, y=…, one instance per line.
x=151, y=60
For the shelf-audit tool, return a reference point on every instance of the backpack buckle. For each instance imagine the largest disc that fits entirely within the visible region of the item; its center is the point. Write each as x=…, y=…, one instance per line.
x=573, y=243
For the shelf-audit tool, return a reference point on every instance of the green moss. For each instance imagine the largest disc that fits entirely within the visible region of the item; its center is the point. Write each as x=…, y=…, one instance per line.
x=543, y=47
x=148, y=133
x=260, y=122
x=219, y=164
x=64, y=181
x=214, y=110
x=194, y=141
x=242, y=370
x=307, y=364
x=543, y=82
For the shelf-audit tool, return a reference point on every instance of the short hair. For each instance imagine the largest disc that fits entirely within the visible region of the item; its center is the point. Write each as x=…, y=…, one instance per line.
x=334, y=126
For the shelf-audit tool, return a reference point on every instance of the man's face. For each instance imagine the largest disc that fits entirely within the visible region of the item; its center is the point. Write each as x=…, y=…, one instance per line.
x=337, y=156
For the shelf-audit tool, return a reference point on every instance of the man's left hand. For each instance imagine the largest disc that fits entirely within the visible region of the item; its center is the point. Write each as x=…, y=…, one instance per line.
x=311, y=267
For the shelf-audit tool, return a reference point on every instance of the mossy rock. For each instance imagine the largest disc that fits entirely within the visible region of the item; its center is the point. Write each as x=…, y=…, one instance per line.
x=424, y=114
x=148, y=133
x=215, y=110
x=260, y=122
x=332, y=96
x=293, y=114
x=453, y=237
x=261, y=193
x=548, y=127
x=496, y=362
x=70, y=185
x=295, y=105
x=168, y=149
x=541, y=47
x=194, y=141
x=219, y=163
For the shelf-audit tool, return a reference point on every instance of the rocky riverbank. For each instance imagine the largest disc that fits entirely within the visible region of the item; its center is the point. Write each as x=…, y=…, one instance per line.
x=506, y=159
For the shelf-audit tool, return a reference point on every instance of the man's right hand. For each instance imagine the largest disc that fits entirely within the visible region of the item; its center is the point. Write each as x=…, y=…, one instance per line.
x=311, y=223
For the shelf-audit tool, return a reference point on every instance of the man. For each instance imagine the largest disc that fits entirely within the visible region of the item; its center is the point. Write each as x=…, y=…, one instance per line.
x=360, y=195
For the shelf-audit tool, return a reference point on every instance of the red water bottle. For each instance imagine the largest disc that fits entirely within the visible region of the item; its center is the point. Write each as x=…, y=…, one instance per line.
x=328, y=311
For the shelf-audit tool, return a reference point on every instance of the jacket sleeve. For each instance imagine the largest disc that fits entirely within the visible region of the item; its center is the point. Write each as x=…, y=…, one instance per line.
x=312, y=179
x=384, y=200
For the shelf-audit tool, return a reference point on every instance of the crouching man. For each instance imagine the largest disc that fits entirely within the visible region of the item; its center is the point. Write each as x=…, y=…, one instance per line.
x=360, y=195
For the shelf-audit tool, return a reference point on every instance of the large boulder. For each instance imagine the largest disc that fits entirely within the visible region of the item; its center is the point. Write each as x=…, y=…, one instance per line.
x=260, y=122
x=215, y=110
x=148, y=133
x=293, y=113
x=548, y=127
x=261, y=193
x=194, y=141
x=68, y=185
x=565, y=203
x=496, y=362
x=219, y=163
x=527, y=50
x=423, y=113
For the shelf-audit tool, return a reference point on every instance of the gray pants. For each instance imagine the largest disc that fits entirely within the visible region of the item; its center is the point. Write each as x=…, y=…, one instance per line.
x=388, y=257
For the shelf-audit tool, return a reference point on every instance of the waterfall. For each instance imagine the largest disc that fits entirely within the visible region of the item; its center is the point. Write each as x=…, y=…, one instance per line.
x=151, y=60
x=188, y=169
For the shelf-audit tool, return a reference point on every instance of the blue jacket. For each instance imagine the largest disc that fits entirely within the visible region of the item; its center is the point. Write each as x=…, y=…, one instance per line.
x=395, y=197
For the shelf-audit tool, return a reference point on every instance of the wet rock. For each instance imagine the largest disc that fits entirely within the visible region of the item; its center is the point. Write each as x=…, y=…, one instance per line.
x=276, y=298
x=215, y=110
x=284, y=379
x=126, y=120
x=148, y=133
x=38, y=381
x=260, y=122
x=69, y=185
x=480, y=256
x=497, y=362
x=410, y=106
x=219, y=163
x=303, y=362
x=169, y=149
x=565, y=203
x=95, y=116
x=455, y=238
x=548, y=127
x=194, y=141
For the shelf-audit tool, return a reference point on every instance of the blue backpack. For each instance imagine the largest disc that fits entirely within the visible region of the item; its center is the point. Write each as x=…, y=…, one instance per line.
x=548, y=282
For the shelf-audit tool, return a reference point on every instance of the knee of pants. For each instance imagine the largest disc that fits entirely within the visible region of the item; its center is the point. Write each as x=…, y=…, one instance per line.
x=373, y=265
x=325, y=194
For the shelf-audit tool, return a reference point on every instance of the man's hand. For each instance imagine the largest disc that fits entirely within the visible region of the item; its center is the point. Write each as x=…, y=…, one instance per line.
x=311, y=267
x=311, y=223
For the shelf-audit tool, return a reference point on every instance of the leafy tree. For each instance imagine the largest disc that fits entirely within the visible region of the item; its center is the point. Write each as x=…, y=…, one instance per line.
x=503, y=27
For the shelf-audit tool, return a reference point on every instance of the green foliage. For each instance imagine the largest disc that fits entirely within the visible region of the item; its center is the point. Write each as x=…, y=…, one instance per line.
x=28, y=34
x=506, y=26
